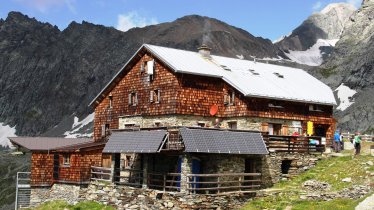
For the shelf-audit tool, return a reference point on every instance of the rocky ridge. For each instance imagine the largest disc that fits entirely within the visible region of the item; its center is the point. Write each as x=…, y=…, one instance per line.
x=327, y=24
x=352, y=64
x=48, y=76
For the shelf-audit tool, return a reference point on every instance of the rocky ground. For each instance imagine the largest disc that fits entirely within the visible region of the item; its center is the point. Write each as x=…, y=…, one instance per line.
x=339, y=181
x=134, y=198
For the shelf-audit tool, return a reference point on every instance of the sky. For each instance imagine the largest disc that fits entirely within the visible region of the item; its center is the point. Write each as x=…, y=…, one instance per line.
x=266, y=18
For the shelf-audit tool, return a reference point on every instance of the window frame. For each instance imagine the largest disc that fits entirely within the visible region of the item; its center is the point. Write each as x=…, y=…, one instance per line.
x=155, y=93
x=133, y=98
x=229, y=98
x=66, y=160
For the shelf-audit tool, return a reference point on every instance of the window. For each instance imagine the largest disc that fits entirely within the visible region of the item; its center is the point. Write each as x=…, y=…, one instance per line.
x=110, y=101
x=154, y=96
x=201, y=124
x=275, y=129
x=133, y=98
x=229, y=98
x=143, y=67
x=275, y=104
x=66, y=159
x=104, y=130
x=315, y=107
x=131, y=125
x=233, y=125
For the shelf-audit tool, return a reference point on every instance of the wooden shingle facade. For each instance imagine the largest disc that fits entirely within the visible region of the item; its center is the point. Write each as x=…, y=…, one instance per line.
x=182, y=94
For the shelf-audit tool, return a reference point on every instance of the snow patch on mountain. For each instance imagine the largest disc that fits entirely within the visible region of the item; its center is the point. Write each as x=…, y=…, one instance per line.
x=345, y=95
x=5, y=132
x=77, y=129
x=313, y=55
x=241, y=57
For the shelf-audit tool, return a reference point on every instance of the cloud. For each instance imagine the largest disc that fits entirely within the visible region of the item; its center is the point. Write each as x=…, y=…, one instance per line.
x=355, y=3
x=317, y=6
x=133, y=19
x=45, y=5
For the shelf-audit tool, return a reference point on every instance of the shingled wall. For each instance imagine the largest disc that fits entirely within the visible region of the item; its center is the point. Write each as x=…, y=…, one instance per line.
x=193, y=95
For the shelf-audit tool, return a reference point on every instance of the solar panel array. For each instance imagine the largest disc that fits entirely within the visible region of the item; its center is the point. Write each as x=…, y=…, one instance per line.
x=135, y=142
x=216, y=141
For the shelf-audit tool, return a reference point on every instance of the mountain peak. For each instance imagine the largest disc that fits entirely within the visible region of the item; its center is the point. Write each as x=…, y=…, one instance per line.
x=337, y=7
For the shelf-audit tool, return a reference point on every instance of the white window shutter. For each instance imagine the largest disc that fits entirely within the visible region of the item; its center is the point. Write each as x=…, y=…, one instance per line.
x=103, y=130
x=130, y=99
x=232, y=97
x=151, y=96
x=150, y=67
x=136, y=98
x=159, y=96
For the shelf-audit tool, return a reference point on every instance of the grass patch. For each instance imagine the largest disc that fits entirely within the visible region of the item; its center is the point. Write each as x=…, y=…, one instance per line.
x=63, y=205
x=330, y=170
x=326, y=72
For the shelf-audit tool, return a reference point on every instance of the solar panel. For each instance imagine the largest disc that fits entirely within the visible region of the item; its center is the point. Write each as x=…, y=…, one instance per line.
x=218, y=141
x=134, y=142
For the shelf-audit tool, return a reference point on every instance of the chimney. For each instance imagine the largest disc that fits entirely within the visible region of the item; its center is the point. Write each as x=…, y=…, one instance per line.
x=204, y=51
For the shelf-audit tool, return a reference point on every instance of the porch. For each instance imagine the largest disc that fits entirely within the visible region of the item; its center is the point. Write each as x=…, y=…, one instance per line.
x=219, y=183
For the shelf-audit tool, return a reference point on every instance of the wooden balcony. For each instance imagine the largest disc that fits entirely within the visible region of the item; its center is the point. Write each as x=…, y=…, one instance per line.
x=295, y=144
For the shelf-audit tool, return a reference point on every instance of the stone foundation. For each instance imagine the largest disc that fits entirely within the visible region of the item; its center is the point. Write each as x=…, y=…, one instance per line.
x=242, y=123
x=123, y=197
x=299, y=162
x=69, y=193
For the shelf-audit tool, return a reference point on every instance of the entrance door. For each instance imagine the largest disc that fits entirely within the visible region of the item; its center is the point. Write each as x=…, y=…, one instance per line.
x=196, y=169
x=250, y=167
x=56, y=166
x=179, y=170
x=320, y=130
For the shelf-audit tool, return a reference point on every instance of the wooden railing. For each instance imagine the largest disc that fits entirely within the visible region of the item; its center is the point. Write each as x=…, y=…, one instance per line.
x=223, y=183
x=300, y=144
x=101, y=173
x=164, y=181
x=130, y=177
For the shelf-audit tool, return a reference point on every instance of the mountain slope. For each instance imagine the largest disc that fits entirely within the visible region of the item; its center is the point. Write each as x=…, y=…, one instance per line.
x=352, y=64
x=48, y=76
x=317, y=34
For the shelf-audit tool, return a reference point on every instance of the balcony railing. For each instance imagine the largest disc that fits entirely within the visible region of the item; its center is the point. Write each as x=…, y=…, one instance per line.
x=292, y=144
x=223, y=183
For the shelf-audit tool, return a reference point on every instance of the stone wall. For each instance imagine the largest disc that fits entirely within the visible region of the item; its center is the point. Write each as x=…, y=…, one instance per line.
x=69, y=193
x=243, y=123
x=123, y=197
x=299, y=162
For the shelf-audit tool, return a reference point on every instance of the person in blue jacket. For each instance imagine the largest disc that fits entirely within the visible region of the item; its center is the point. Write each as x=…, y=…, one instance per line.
x=337, y=141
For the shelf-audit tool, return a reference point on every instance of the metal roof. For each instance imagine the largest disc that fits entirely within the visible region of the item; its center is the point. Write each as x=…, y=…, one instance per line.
x=135, y=141
x=85, y=145
x=46, y=143
x=268, y=81
x=222, y=141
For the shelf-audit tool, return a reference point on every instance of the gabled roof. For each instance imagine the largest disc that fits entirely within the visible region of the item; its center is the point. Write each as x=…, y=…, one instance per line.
x=47, y=143
x=252, y=79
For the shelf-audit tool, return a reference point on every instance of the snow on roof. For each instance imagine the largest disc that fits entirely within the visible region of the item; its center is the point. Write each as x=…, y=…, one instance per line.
x=249, y=77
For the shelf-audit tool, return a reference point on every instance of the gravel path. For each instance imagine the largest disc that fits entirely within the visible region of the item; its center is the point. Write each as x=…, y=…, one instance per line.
x=367, y=204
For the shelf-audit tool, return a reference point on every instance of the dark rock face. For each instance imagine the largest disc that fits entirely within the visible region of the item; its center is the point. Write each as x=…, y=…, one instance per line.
x=352, y=63
x=47, y=75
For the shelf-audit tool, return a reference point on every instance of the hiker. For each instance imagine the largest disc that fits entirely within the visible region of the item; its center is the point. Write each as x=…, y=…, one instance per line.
x=336, y=142
x=341, y=141
x=357, y=143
